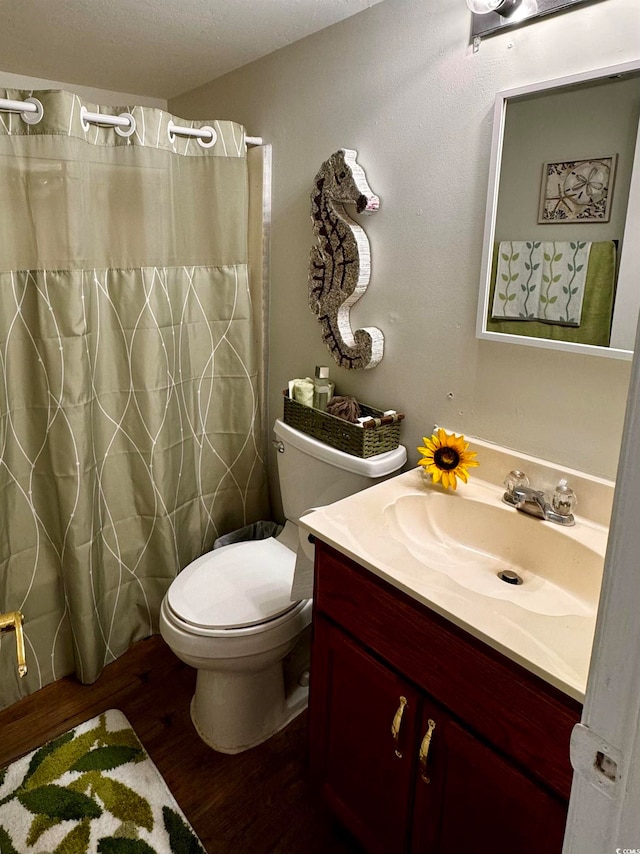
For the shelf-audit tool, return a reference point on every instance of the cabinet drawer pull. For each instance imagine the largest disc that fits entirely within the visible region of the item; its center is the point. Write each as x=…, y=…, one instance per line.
x=395, y=726
x=424, y=750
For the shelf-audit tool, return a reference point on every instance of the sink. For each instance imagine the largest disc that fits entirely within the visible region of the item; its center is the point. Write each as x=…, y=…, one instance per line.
x=445, y=549
x=472, y=540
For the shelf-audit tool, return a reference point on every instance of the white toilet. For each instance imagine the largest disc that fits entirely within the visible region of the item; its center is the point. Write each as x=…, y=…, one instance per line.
x=230, y=614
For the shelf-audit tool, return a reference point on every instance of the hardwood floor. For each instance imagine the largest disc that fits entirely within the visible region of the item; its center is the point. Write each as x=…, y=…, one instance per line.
x=258, y=802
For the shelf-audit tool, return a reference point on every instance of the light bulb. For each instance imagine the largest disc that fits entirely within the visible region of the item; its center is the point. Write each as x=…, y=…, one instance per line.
x=501, y=7
x=483, y=7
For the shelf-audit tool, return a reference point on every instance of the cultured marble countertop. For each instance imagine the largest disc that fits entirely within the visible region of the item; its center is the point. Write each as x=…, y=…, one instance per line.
x=555, y=648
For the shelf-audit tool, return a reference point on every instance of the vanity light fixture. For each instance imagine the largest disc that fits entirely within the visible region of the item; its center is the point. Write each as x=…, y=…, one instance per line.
x=492, y=16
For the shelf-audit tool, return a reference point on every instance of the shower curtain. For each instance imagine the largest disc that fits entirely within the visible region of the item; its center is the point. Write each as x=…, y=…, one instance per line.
x=130, y=369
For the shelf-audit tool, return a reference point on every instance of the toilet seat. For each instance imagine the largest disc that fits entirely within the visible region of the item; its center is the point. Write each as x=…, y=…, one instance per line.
x=237, y=587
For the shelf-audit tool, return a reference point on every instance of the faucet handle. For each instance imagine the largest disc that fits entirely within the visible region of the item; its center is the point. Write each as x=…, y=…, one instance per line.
x=564, y=499
x=514, y=479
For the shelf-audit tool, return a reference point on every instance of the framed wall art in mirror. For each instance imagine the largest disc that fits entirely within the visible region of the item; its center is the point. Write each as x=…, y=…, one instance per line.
x=577, y=190
x=561, y=258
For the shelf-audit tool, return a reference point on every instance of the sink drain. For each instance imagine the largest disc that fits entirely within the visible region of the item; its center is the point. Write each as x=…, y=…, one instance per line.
x=509, y=576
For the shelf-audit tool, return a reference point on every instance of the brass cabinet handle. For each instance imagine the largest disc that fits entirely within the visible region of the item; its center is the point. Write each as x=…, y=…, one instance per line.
x=397, y=722
x=424, y=750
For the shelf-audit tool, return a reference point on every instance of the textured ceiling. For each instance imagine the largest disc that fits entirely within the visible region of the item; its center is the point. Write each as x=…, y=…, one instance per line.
x=157, y=48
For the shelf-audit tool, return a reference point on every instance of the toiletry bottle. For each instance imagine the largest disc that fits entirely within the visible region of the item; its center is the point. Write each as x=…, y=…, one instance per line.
x=321, y=388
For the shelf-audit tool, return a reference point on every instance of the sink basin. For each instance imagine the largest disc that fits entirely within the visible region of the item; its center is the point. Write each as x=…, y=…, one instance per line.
x=472, y=541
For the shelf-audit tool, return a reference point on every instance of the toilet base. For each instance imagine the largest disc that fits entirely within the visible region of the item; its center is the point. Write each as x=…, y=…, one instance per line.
x=232, y=712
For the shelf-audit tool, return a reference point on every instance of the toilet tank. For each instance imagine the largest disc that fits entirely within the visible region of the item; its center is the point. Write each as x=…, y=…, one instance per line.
x=313, y=474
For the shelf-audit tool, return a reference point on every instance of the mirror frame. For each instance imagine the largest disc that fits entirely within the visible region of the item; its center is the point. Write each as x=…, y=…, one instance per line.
x=499, y=121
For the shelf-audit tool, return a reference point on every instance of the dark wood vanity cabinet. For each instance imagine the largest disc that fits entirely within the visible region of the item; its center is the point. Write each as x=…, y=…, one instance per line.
x=478, y=759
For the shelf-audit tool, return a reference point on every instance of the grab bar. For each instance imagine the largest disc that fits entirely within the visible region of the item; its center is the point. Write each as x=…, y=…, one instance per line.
x=14, y=620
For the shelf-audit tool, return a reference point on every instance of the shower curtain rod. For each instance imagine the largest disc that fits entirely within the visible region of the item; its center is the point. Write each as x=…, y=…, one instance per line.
x=32, y=111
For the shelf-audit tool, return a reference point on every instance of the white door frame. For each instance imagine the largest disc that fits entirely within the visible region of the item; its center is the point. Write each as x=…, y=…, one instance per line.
x=604, y=811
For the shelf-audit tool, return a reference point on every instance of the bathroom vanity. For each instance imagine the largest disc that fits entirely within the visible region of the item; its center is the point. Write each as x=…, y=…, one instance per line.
x=480, y=749
x=440, y=715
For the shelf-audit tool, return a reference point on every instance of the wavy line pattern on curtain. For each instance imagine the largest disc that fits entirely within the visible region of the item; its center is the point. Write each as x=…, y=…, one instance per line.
x=130, y=434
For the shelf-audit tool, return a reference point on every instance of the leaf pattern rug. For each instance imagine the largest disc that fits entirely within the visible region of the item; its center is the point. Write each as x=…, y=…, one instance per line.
x=93, y=789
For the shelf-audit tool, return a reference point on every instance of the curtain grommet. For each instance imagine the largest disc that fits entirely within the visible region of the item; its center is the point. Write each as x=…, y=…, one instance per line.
x=208, y=143
x=170, y=133
x=32, y=118
x=85, y=124
x=126, y=132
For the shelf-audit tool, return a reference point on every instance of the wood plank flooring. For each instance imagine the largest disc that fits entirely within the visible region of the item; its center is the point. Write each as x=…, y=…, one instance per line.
x=258, y=802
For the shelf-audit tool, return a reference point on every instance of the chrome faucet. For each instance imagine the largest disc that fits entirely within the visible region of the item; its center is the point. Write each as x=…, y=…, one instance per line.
x=533, y=502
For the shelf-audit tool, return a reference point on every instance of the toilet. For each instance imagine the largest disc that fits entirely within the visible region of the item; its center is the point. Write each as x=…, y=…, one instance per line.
x=230, y=612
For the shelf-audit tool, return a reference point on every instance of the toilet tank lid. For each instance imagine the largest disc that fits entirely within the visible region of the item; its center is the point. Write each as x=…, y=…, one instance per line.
x=239, y=585
x=379, y=465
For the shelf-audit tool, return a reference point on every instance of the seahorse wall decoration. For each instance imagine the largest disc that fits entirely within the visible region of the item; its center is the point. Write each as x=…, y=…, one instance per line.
x=340, y=266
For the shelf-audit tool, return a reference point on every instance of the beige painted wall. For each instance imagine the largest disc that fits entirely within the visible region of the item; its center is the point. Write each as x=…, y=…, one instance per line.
x=400, y=83
x=96, y=96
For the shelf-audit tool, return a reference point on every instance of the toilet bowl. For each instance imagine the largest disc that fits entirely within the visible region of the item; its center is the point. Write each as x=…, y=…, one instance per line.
x=230, y=614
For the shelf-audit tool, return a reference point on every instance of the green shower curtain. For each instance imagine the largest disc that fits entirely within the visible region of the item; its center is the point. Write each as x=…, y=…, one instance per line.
x=130, y=429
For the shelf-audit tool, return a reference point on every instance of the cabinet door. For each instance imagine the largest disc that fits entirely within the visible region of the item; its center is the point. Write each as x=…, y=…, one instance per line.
x=483, y=802
x=366, y=774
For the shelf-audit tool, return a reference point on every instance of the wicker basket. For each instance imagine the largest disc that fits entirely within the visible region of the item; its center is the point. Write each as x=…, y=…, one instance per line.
x=377, y=437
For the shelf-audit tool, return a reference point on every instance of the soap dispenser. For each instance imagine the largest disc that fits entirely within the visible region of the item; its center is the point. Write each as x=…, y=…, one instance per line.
x=322, y=388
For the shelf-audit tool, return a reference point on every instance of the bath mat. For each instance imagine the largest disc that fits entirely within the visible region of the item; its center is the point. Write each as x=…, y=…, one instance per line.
x=93, y=790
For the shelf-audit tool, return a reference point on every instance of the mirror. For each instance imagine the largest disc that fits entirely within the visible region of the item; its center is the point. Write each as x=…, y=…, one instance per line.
x=561, y=258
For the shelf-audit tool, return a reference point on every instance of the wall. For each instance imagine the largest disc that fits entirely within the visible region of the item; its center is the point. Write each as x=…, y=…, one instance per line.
x=96, y=96
x=400, y=83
